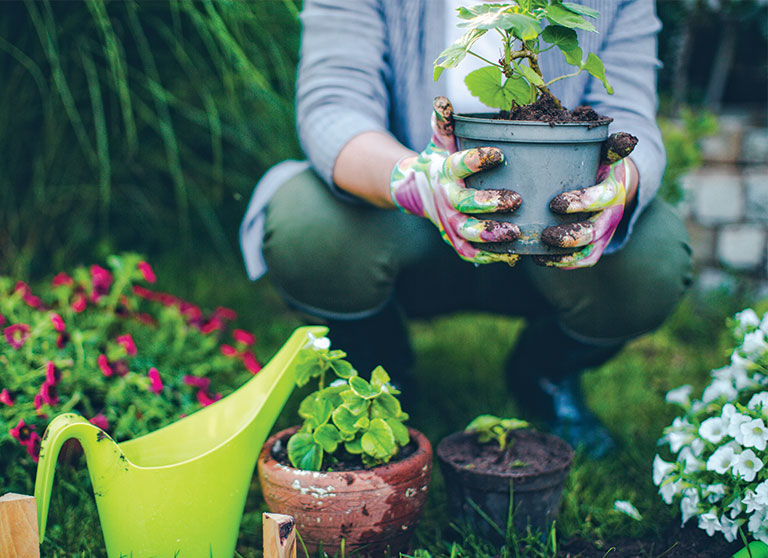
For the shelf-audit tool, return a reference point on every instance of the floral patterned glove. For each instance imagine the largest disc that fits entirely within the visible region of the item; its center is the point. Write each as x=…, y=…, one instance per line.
x=605, y=200
x=431, y=185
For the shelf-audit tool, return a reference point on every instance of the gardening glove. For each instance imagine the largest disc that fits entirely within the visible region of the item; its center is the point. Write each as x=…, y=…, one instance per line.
x=605, y=201
x=431, y=185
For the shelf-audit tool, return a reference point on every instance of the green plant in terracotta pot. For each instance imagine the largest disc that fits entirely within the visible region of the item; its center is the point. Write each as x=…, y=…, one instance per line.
x=352, y=474
x=499, y=466
x=547, y=149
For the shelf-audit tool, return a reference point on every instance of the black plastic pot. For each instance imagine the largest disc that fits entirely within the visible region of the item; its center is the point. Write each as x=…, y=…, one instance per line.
x=541, y=160
x=535, y=491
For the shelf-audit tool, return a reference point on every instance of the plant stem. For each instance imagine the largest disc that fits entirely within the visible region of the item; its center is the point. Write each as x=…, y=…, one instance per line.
x=484, y=59
x=533, y=60
x=562, y=77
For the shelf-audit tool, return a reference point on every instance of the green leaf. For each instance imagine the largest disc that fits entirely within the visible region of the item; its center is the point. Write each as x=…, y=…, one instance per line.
x=595, y=67
x=557, y=13
x=362, y=388
x=315, y=409
x=354, y=446
x=522, y=26
x=379, y=441
x=345, y=420
x=343, y=369
x=583, y=10
x=400, y=431
x=566, y=40
x=485, y=84
x=306, y=367
x=379, y=377
x=530, y=75
x=328, y=437
x=304, y=452
x=514, y=424
x=362, y=423
x=356, y=404
x=482, y=422
x=386, y=405
x=456, y=52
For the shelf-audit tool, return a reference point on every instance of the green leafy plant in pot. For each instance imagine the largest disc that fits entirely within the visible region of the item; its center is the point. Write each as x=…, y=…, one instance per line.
x=545, y=157
x=352, y=475
x=500, y=474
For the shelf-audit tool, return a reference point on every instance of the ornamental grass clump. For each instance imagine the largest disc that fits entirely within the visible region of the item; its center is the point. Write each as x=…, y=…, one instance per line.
x=719, y=470
x=102, y=343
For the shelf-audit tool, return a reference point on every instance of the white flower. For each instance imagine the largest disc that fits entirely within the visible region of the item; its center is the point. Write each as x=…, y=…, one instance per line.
x=734, y=426
x=697, y=446
x=714, y=492
x=627, y=508
x=719, y=388
x=679, y=434
x=713, y=429
x=730, y=528
x=758, y=402
x=754, y=434
x=661, y=469
x=746, y=465
x=736, y=374
x=750, y=500
x=764, y=324
x=754, y=343
x=761, y=494
x=721, y=460
x=736, y=506
x=761, y=535
x=757, y=521
x=669, y=490
x=680, y=396
x=709, y=522
x=317, y=343
x=747, y=319
x=689, y=504
x=692, y=463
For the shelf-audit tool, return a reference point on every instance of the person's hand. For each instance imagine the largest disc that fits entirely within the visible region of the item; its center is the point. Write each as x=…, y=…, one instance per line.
x=605, y=201
x=431, y=185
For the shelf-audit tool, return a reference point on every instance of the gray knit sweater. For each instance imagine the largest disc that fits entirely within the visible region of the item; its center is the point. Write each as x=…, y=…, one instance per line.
x=367, y=65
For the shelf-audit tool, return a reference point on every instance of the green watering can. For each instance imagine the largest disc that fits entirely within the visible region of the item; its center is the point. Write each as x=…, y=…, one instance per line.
x=756, y=549
x=179, y=491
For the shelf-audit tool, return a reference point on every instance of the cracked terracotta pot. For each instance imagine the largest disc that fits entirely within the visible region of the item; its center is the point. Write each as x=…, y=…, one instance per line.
x=373, y=510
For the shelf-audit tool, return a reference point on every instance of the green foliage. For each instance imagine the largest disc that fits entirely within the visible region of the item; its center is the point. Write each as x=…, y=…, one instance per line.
x=350, y=416
x=682, y=140
x=98, y=342
x=490, y=427
x=120, y=118
x=507, y=83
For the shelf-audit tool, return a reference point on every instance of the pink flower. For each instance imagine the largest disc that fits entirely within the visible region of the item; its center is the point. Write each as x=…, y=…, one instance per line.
x=214, y=324
x=225, y=313
x=22, y=431
x=33, y=446
x=58, y=322
x=120, y=367
x=143, y=292
x=79, y=302
x=2, y=319
x=38, y=403
x=61, y=279
x=249, y=359
x=196, y=381
x=101, y=421
x=48, y=394
x=62, y=340
x=27, y=296
x=104, y=366
x=52, y=374
x=147, y=272
x=244, y=337
x=190, y=311
x=204, y=399
x=145, y=318
x=127, y=342
x=228, y=350
x=16, y=335
x=157, y=383
x=5, y=397
x=101, y=279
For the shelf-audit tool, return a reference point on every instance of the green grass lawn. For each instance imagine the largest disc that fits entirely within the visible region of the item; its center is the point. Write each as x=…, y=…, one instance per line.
x=458, y=370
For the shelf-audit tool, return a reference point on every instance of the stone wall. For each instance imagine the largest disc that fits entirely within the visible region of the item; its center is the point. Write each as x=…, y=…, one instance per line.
x=726, y=201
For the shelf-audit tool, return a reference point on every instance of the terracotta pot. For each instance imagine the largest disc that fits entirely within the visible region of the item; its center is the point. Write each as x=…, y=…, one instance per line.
x=536, y=490
x=373, y=510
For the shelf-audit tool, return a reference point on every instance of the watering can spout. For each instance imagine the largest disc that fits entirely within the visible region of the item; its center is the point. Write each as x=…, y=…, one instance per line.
x=101, y=452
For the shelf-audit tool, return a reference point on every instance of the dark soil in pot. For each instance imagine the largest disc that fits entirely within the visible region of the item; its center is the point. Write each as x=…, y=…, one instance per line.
x=476, y=475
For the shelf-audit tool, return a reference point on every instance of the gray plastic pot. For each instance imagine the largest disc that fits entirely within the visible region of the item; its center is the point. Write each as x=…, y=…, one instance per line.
x=535, y=495
x=540, y=161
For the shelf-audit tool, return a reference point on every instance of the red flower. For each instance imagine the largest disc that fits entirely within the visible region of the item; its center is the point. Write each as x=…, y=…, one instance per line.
x=5, y=397
x=79, y=302
x=16, y=335
x=127, y=342
x=104, y=366
x=212, y=325
x=62, y=279
x=62, y=340
x=147, y=272
x=33, y=446
x=101, y=279
x=228, y=350
x=22, y=431
x=196, y=381
x=58, y=323
x=101, y=421
x=244, y=337
x=143, y=292
x=249, y=359
x=205, y=399
x=225, y=313
x=48, y=394
x=157, y=383
x=52, y=374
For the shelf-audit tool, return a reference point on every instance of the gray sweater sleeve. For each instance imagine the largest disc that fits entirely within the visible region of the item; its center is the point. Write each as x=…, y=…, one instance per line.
x=629, y=55
x=342, y=78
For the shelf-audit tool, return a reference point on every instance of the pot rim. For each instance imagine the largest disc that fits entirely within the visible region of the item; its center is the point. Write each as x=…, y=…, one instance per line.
x=487, y=117
x=512, y=475
x=423, y=453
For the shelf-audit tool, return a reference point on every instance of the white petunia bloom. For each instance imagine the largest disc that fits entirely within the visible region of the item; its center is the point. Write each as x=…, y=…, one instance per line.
x=746, y=465
x=750, y=501
x=681, y=433
x=713, y=429
x=317, y=343
x=761, y=535
x=729, y=527
x=764, y=324
x=714, y=492
x=709, y=522
x=761, y=494
x=717, y=389
x=680, y=396
x=661, y=470
x=697, y=446
x=721, y=460
x=754, y=343
x=758, y=521
x=754, y=434
x=670, y=490
x=692, y=463
x=747, y=319
x=689, y=504
x=734, y=426
x=736, y=506
x=759, y=402
x=736, y=374
x=627, y=508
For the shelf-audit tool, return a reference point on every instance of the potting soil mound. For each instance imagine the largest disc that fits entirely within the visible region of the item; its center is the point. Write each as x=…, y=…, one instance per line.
x=545, y=110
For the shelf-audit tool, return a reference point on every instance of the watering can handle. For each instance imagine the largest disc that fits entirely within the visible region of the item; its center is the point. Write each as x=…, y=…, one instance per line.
x=755, y=549
x=101, y=452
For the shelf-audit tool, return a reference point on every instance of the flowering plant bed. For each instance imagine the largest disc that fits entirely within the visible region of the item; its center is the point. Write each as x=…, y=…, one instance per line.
x=100, y=342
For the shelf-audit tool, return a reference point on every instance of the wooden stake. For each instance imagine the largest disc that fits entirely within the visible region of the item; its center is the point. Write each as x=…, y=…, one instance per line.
x=279, y=535
x=18, y=527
